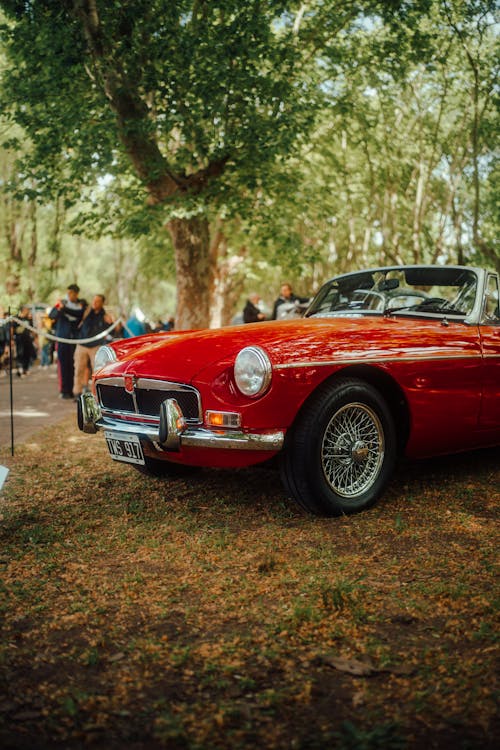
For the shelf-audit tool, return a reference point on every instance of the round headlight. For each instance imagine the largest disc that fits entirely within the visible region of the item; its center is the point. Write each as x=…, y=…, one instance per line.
x=252, y=371
x=103, y=355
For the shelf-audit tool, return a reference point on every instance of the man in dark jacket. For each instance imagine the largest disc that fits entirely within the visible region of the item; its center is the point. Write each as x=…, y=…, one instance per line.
x=95, y=320
x=67, y=314
x=286, y=302
x=25, y=348
x=4, y=342
x=251, y=311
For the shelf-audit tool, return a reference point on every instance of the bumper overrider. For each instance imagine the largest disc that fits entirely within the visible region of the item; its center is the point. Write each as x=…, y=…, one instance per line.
x=173, y=433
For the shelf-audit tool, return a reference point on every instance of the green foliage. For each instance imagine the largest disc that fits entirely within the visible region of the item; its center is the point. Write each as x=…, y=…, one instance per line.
x=320, y=135
x=390, y=173
x=204, y=82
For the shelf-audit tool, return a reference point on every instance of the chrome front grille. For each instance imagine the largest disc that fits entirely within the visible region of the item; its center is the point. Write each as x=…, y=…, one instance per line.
x=147, y=397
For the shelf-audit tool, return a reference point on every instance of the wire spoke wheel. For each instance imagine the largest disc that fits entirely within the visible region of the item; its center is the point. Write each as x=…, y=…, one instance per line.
x=342, y=449
x=352, y=451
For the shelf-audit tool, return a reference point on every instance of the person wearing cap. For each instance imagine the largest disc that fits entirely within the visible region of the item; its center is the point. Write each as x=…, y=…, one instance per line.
x=67, y=314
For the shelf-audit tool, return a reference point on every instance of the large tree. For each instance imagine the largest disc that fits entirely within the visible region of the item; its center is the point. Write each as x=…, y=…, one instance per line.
x=197, y=99
x=193, y=97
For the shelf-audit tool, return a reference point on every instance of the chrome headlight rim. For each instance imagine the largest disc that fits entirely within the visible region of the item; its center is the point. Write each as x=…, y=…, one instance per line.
x=252, y=371
x=103, y=356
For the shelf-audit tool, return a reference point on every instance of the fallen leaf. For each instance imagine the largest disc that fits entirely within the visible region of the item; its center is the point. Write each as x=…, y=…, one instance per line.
x=350, y=666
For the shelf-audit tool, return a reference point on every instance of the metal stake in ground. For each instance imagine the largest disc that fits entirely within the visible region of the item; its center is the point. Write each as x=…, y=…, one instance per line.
x=11, y=389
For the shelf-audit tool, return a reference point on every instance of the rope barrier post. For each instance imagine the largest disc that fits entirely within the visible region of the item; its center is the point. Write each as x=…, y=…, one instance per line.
x=11, y=388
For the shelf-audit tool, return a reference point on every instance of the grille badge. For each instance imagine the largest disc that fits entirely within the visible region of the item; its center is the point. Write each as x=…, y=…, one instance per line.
x=129, y=383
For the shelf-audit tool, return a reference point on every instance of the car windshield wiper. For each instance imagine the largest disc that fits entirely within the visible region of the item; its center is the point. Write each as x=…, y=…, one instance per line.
x=391, y=310
x=434, y=305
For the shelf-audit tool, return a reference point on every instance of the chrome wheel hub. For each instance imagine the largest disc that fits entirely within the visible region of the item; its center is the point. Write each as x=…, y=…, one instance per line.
x=359, y=451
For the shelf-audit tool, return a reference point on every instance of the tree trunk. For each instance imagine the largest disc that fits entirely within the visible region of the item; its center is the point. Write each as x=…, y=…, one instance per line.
x=191, y=240
x=228, y=278
x=418, y=211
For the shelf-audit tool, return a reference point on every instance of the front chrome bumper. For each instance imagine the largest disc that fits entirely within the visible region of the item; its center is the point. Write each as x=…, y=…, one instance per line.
x=173, y=433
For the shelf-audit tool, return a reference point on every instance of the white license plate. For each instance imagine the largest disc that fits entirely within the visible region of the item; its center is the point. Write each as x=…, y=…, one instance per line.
x=124, y=447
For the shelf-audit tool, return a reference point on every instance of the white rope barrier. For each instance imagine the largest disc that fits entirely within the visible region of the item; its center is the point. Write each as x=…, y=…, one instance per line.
x=42, y=332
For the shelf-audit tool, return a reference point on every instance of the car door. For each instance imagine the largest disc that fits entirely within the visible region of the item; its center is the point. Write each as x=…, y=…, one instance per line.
x=490, y=346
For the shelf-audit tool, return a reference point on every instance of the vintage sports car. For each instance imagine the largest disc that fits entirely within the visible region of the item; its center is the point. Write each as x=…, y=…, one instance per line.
x=403, y=360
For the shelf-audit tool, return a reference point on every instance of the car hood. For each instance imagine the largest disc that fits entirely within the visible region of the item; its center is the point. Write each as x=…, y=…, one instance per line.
x=183, y=355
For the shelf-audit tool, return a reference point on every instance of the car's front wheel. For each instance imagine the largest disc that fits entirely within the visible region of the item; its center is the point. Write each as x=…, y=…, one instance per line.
x=341, y=452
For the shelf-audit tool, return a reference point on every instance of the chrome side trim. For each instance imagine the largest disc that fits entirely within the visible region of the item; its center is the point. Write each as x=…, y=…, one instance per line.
x=374, y=360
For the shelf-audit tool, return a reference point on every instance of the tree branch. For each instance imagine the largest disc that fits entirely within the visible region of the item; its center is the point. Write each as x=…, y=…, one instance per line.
x=134, y=119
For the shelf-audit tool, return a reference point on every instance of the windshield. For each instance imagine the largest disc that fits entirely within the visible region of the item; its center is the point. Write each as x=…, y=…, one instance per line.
x=415, y=290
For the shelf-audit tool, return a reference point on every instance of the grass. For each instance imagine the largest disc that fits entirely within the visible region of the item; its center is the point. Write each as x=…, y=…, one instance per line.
x=209, y=613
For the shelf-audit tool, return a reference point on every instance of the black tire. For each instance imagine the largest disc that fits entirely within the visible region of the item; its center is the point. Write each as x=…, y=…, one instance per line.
x=341, y=452
x=153, y=467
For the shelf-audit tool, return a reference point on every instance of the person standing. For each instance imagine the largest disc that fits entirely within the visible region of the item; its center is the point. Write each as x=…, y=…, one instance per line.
x=252, y=312
x=45, y=344
x=67, y=314
x=95, y=320
x=4, y=342
x=25, y=349
x=287, y=298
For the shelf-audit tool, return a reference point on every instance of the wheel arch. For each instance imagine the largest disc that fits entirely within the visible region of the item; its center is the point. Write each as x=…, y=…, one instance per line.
x=388, y=388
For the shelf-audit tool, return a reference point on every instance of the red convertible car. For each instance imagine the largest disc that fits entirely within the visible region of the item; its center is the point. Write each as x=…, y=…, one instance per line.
x=385, y=362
